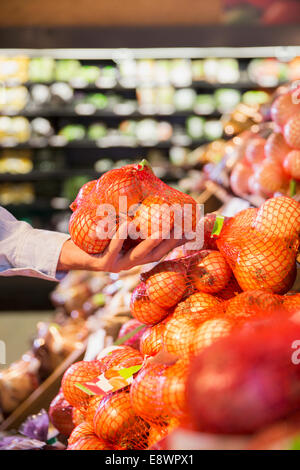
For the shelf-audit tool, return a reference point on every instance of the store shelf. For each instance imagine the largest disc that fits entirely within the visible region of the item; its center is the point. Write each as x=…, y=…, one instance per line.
x=91, y=144
x=85, y=152
x=103, y=114
x=47, y=175
x=198, y=85
x=160, y=41
x=35, y=207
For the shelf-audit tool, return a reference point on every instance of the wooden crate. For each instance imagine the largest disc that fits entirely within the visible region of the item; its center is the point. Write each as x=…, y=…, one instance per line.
x=43, y=395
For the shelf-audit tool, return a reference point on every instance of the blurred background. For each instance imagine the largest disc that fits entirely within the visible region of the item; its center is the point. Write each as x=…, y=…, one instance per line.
x=88, y=86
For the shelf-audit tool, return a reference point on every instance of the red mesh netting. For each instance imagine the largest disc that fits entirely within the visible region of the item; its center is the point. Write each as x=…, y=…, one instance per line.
x=195, y=305
x=180, y=331
x=253, y=303
x=209, y=272
x=143, y=309
x=158, y=393
x=234, y=232
x=115, y=421
x=166, y=283
x=151, y=213
x=291, y=302
x=151, y=341
x=82, y=430
x=178, y=335
x=266, y=263
x=78, y=416
x=79, y=373
x=152, y=216
x=195, y=310
x=83, y=437
x=173, y=389
x=92, y=407
x=83, y=230
x=89, y=443
x=209, y=332
x=194, y=278
x=261, y=245
x=83, y=194
x=188, y=279
x=157, y=433
x=121, y=356
x=146, y=394
x=82, y=372
x=280, y=217
x=231, y=290
x=205, y=225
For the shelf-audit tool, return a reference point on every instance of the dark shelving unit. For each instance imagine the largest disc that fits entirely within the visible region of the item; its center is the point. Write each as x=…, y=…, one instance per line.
x=80, y=156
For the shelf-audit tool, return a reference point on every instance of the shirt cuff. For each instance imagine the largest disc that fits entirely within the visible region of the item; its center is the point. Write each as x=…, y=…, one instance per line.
x=40, y=250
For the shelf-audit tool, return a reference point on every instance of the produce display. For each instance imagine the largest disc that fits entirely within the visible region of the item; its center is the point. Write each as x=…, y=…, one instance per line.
x=264, y=160
x=202, y=346
x=130, y=72
x=224, y=309
x=82, y=302
x=271, y=163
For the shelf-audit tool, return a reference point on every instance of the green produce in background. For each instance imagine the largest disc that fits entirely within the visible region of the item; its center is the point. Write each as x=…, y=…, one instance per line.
x=72, y=185
x=128, y=128
x=97, y=131
x=197, y=70
x=67, y=69
x=195, y=127
x=227, y=99
x=205, y=104
x=88, y=73
x=73, y=132
x=184, y=99
x=41, y=69
x=254, y=97
x=99, y=100
x=213, y=129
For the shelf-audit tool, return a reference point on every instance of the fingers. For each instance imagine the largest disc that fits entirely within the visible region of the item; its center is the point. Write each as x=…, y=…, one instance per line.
x=137, y=255
x=110, y=255
x=149, y=251
x=165, y=247
x=144, y=248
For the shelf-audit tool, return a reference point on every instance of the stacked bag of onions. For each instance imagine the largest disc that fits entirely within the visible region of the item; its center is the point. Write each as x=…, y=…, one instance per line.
x=269, y=160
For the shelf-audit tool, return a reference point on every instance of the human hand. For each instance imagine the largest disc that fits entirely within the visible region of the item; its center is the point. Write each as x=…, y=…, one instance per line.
x=112, y=260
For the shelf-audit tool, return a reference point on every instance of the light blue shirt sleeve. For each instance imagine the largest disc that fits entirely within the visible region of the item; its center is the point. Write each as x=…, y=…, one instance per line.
x=25, y=251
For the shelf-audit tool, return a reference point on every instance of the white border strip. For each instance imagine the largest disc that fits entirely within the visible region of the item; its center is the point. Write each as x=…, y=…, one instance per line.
x=281, y=52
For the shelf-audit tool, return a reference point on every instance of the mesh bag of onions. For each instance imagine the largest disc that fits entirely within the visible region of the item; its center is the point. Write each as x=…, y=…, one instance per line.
x=134, y=197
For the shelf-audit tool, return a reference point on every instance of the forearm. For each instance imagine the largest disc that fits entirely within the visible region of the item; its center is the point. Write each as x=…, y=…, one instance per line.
x=27, y=251
x=72, y=257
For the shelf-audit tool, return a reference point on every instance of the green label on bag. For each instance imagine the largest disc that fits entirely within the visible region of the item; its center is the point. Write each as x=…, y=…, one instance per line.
x=292, y=188
x=110, y=381
x=217, y=226
x=295, y=445
x=128, y=336
x=84, y=389
x=130, y=371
